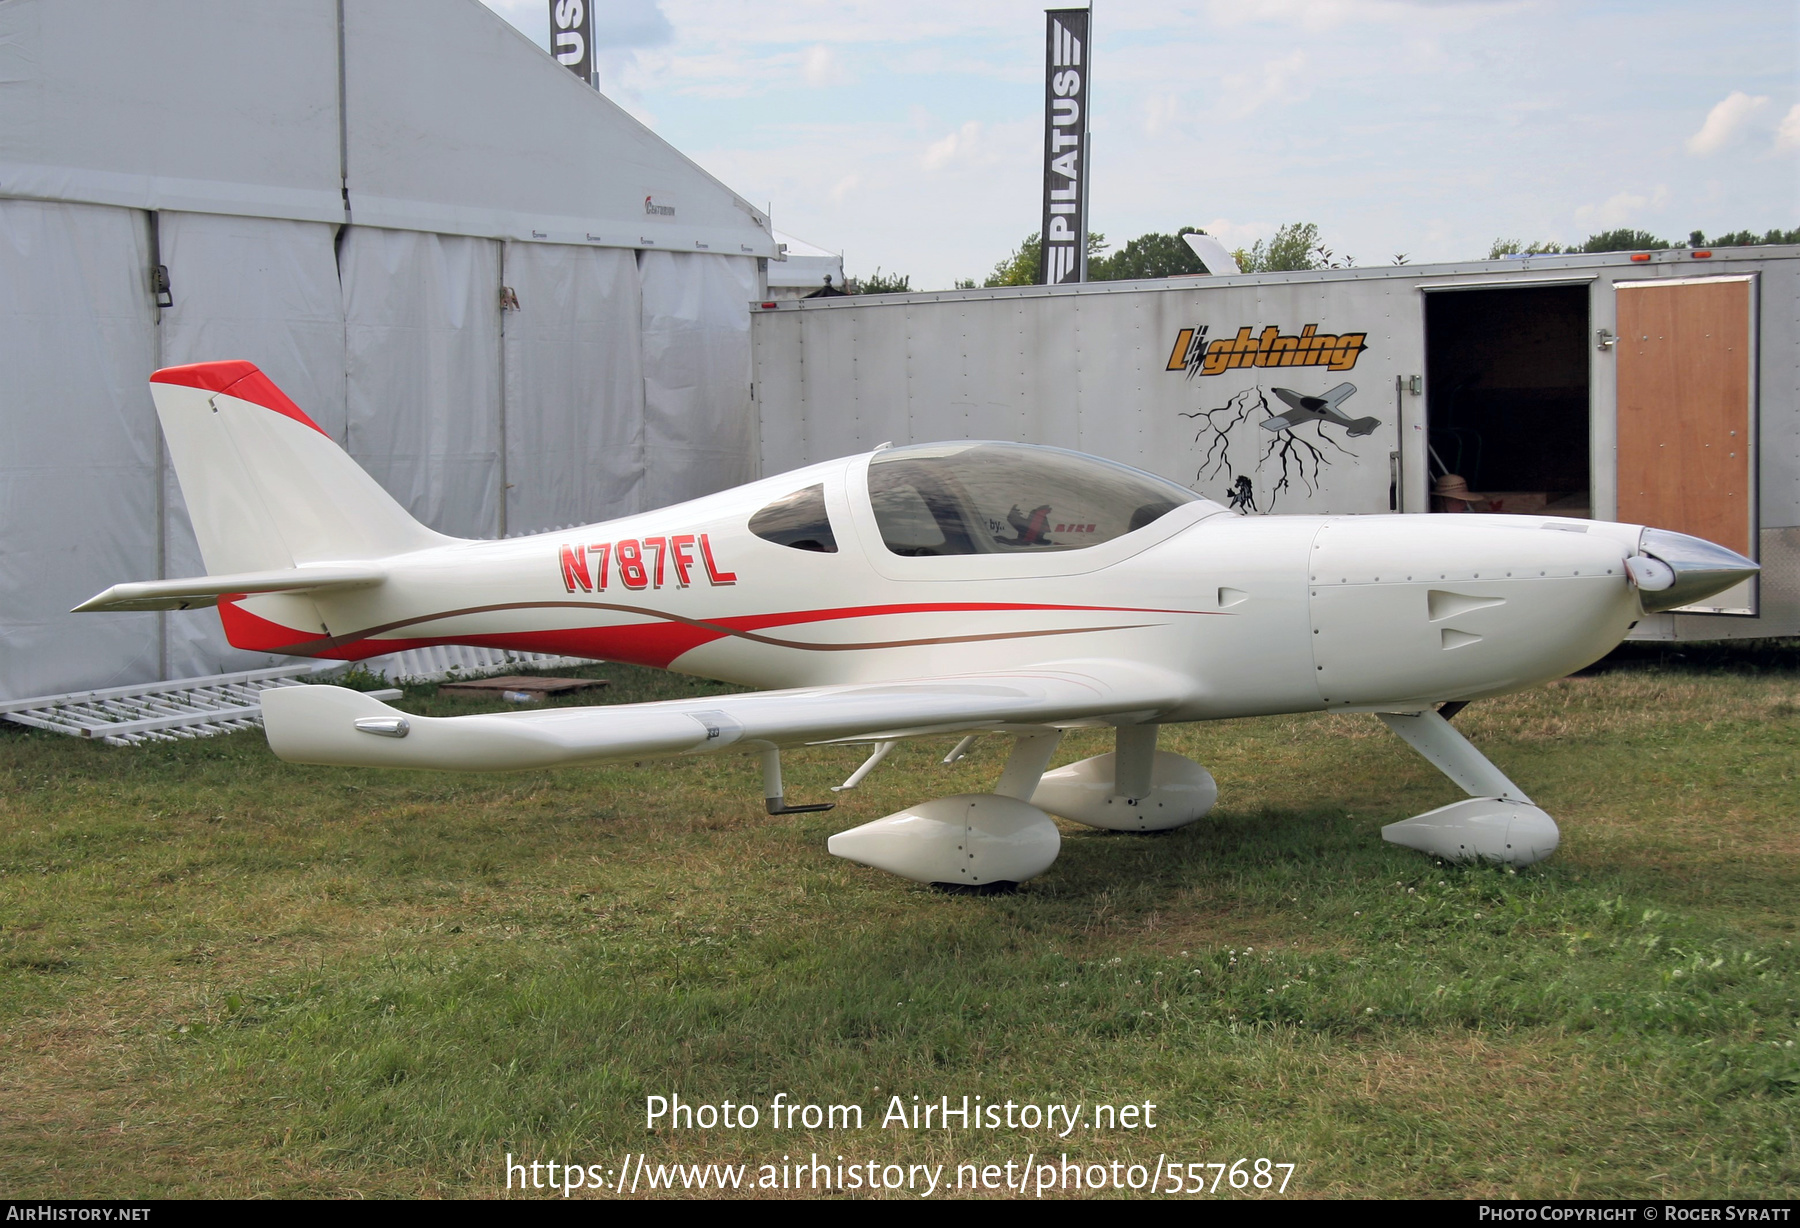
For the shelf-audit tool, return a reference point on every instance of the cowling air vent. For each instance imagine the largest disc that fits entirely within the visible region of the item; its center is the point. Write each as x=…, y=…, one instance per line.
x=1444, y=605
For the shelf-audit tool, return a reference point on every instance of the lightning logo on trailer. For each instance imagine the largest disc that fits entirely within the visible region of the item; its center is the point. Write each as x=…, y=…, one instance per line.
x=1269, y=347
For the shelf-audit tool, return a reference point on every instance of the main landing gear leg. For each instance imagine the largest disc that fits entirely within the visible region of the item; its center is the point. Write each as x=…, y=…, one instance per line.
x=1497, y=822
x=1025, y=766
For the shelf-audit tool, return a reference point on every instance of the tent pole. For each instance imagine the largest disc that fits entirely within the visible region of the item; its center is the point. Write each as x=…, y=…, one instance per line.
x=162, y=448
x=500, y=306
x=343, y=117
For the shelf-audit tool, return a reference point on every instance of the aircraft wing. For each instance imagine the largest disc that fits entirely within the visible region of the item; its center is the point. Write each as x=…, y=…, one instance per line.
x=1337, y=396
x=335, y=725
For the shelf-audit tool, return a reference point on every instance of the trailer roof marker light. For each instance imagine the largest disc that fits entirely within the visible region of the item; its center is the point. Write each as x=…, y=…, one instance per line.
x=1700, y=255
x=1640, y=257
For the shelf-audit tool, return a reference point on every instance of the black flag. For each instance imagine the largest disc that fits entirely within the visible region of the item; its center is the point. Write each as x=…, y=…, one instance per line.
x=1066, y=69
x=572, y=36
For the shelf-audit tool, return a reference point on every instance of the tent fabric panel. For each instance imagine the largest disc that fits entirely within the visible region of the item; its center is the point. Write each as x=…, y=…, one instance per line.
x=422, y=355
x=460, y=124
x=699, y=423
x=78, y=448
x=574, y=386
x=155, y=106
x=265, y=290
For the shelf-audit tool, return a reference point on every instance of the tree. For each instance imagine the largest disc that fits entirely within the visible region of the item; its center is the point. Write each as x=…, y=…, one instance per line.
x=1151, y=255
x=1510, y=247
x=1623, y=241
x=875, y=283
x=1023, y=267
x=1744, y=238
x=1295, y=247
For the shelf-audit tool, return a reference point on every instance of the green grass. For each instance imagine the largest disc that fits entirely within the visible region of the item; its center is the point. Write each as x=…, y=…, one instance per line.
x=224, y=975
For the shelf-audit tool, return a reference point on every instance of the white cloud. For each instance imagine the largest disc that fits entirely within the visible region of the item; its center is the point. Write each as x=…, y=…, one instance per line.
x=1622, y=208
x=1324, y=16
x=1161, y=113
x=1787, y=135
x=820, y=66
x=1275, y=82
x=1725, y=121
x=1423, y=126
x=959, y=146
x=1237, y=234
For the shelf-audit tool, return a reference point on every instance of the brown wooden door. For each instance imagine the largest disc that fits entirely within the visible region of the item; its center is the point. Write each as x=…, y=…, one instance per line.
x=1685, y=443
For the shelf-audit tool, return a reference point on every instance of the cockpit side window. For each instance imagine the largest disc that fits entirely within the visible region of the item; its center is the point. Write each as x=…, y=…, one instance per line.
x=1004, y=498
x=798, y=521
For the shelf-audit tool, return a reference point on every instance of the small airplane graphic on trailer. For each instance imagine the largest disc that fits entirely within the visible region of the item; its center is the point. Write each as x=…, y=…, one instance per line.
x=903, y=593
x=1303, y=409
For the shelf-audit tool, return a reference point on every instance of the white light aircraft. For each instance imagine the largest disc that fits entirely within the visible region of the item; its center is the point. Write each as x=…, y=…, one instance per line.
x=961, y=588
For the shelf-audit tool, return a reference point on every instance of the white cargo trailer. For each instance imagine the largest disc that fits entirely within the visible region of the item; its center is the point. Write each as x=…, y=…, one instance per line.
x=1660, y=388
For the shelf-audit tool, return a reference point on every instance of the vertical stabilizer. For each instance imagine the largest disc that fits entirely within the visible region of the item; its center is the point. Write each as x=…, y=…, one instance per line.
x=265, y=487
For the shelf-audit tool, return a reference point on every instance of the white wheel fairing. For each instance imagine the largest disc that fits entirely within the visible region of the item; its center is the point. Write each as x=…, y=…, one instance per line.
x=970, y=840
x=1181, y=792
x=1479, y=829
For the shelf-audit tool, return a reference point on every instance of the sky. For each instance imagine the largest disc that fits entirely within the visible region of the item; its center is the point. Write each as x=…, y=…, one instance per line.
x=908, y=135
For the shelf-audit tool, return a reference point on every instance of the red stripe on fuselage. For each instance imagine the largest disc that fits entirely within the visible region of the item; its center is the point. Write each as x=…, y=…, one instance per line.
x=655, y=644
x=756, y=622
x=236, y=378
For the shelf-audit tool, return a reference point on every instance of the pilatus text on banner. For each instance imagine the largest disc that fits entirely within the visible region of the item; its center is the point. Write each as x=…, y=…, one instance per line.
x=1066, y=68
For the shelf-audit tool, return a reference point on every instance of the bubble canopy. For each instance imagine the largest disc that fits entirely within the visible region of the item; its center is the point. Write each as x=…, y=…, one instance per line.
x=1009, y=498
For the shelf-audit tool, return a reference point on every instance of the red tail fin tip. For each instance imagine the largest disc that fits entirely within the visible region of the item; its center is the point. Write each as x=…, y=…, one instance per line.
x=236, y=378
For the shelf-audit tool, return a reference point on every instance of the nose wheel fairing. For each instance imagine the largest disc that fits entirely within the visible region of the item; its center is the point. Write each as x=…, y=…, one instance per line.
x=1496, y=823
x=1479, y=829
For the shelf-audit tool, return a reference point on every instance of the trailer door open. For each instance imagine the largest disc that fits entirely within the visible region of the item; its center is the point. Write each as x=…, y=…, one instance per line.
x=1685, y=426
x=1507, y=398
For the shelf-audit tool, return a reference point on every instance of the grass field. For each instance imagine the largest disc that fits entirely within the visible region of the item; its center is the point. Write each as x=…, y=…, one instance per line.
x=223, y=975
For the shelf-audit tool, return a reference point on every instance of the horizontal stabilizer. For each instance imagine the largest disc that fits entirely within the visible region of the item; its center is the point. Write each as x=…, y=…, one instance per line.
x=1363, y=426
x=334, y=725
x=197, y=592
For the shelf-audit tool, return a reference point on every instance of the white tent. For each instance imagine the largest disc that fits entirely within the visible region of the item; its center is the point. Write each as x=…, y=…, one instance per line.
x=514, y=305
x=804, y=270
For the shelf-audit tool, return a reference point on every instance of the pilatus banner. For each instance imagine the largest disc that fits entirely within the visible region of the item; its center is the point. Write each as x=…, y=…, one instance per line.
x=1066, y=66
x=572, y=36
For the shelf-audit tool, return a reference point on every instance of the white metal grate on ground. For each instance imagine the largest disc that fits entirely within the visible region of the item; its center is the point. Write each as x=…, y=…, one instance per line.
x=226, y=703
x=158, y=711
